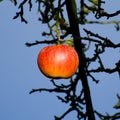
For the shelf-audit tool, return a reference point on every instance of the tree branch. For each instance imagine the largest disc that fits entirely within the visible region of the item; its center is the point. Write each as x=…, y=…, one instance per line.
x=41, y=42
x=78, y=46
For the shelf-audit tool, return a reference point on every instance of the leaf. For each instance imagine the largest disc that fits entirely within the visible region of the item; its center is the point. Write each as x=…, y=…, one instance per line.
x=69, y=42
x=1, y=0
x=117, y=105
x=95, y=2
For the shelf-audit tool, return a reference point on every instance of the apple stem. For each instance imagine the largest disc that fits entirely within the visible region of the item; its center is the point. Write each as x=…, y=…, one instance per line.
x=57, y=30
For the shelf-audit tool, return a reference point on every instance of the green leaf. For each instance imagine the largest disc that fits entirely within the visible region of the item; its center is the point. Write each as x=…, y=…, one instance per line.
x=69, y=42
x=95, y=2
x=117, y=105
x=1, y=0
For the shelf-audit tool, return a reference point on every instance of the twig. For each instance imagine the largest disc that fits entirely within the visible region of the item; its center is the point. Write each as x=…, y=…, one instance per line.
x=106, y=70
x=41, y=42
x=21, y=12
x=47, y=90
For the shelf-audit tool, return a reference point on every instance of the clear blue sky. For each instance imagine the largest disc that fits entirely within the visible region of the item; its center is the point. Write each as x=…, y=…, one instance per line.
x=19, y=72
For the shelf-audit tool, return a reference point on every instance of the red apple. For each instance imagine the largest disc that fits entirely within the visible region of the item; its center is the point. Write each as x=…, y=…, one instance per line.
x=58, y=61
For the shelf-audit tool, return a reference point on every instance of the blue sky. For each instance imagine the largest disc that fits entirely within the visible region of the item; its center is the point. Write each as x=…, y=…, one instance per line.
x=19, y=72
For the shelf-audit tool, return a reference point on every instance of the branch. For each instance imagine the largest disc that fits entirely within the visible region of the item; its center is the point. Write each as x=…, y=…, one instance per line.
x=106, y=42
x=107, y=70
x=30, y=5
x=80, y=114
x=47, y=90
x=41, y=42
x=105, y=14
x=21, y=15
x=14, y=1
x=21, y=12
x=107, y=116
x=102, y=22
x=93, y=78
x=98, y=36
x=78, y=46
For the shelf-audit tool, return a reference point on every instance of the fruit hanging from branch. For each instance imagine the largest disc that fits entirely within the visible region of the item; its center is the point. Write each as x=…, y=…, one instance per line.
x=58, y=61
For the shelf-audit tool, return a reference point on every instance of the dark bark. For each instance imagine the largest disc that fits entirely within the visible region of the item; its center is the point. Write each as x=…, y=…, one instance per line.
x=82, y=66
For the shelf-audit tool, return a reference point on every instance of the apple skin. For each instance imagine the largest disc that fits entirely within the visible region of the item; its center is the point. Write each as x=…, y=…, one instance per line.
x=58, y=61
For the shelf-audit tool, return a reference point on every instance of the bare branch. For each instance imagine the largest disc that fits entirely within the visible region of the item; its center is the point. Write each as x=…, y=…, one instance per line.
x=108, y=15
x=107, y=70
x=21, y=12
x=41, y=42
x=47, y=90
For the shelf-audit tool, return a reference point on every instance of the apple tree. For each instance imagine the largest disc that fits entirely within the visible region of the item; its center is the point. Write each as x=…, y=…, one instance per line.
x=65, y=19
